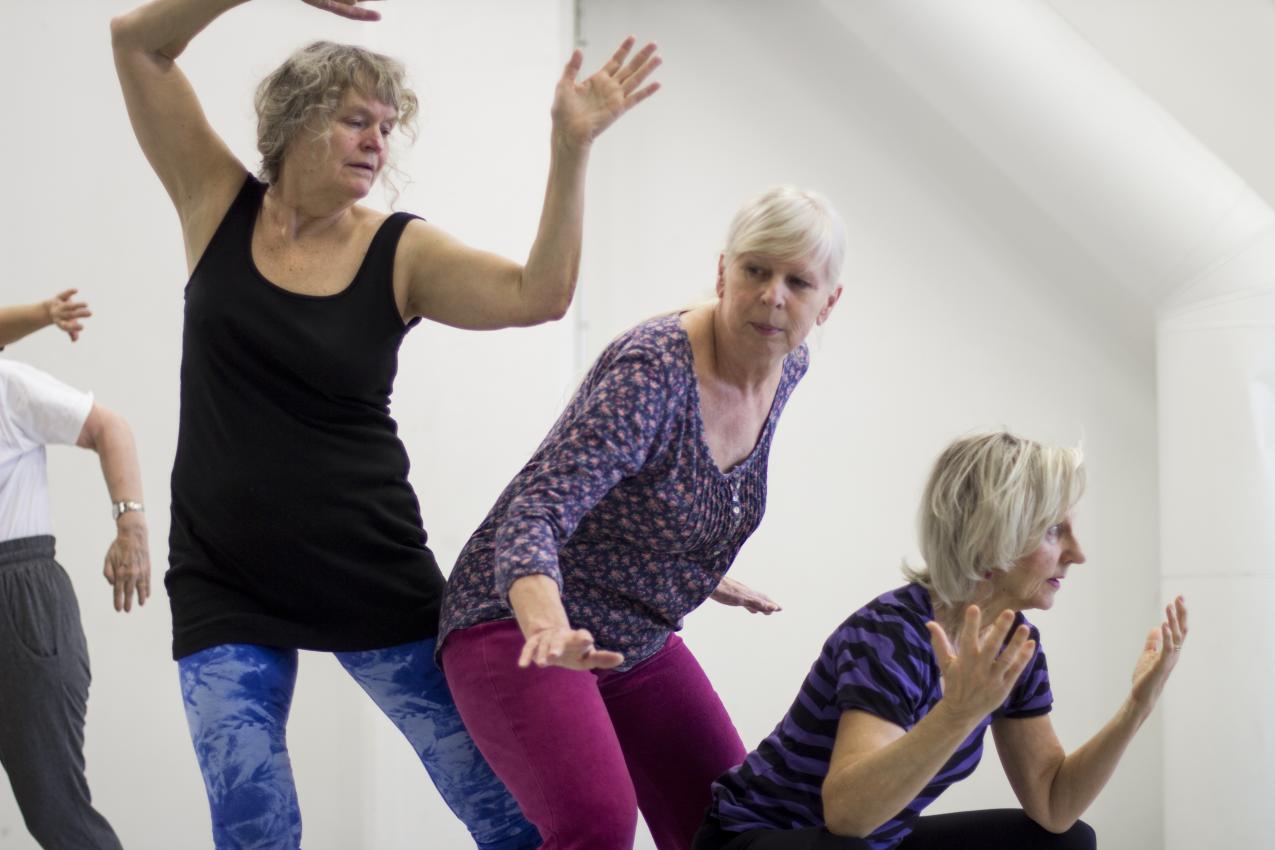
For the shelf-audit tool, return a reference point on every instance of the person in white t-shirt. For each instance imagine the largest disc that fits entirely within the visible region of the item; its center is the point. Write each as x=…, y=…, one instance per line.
x=44, y=665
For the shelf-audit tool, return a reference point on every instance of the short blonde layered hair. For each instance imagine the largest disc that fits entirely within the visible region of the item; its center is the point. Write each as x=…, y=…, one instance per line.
x=792, y=225
x=989, y=501
x=304, y=92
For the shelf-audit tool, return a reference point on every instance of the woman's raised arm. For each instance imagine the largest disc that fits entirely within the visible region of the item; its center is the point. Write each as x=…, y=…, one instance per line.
x=449, y=282
x=1055, y=787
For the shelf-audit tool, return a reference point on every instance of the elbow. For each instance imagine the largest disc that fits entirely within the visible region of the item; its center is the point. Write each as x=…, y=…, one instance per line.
x=558, y=310
x=127, y=38
x=1050, y=823
x=544, y=303
x=840, y=817
x=121, y=31
x=845, y=828
x=552, y=309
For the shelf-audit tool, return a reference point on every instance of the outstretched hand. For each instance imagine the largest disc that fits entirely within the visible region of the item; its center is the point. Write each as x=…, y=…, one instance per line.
x=1159, y=655
x=979, y=676
x=562, y=646
x=352, y=9
x=66, y=314
x=581, y=111
x=731, y=592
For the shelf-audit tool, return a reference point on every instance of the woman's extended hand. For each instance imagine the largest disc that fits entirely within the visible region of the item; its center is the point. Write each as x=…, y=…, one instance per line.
x=581, y=111
x=66, y=314
x=978, y=677
x=1159, y=655
x=562, y=646
x=352, y=9
x=731, y=592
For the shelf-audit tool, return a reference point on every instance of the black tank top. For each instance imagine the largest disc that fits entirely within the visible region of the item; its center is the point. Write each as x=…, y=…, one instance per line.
x=293, y=524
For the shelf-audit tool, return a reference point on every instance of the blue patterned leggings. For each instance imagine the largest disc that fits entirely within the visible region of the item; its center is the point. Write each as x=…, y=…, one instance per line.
x=237, y=699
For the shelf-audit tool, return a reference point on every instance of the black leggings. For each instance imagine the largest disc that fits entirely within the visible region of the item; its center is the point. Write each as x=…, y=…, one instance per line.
x=989, y=829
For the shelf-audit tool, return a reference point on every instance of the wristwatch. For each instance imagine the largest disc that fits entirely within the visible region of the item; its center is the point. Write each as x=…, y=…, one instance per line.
x=118, y=509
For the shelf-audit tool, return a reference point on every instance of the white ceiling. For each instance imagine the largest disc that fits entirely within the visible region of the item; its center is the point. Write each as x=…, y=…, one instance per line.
x=1209, y=63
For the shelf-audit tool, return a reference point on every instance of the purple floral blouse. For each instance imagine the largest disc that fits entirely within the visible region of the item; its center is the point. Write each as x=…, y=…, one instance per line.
x=622, y=504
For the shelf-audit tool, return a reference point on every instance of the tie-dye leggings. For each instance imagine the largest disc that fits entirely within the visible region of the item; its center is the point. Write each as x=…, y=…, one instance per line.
x=237, y=699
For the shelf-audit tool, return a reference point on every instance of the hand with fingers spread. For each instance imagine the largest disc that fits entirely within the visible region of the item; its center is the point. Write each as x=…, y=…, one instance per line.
x=562, y=646
x=549, y=639
x=1159, y=656
x=581, y=111
x=979, y=675
x=18, y=321
x=128, y=563
x=352, y=9
x=66, y=314
x=736, y=593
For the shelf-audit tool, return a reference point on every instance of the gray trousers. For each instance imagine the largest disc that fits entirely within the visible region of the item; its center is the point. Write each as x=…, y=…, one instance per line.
x=44, y=690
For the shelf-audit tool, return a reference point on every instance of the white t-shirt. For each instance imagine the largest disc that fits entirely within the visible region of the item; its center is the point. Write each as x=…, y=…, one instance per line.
x=36, y=409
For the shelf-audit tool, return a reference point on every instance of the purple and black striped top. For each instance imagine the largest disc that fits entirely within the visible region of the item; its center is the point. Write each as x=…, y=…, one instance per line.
x=880, y=661
x=622, y=504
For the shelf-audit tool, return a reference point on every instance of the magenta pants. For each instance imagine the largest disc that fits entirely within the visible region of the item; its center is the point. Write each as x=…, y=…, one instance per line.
x=583, y=751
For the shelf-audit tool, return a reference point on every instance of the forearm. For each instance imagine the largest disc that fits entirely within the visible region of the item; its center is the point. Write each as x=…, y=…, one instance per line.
x=1083, y=773
x=163, y=28
x=17, y=322
x=537, y=604
x=553, y=265
x=861, y=796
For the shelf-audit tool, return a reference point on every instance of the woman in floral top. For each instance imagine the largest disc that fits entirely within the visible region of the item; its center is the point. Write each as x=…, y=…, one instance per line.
x=624, y=520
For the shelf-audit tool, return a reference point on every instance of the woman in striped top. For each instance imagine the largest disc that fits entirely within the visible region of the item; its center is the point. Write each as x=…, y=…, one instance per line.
x=895, y=707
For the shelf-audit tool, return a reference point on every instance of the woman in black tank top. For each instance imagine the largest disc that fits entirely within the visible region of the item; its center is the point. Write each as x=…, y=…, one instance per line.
x=293, y=523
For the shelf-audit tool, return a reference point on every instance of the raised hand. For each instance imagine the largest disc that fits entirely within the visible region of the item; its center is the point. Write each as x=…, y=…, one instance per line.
x=66, y=314
x=979, y=676
x=1159, y=655
x=731, y=592
x=562, y=646
x=581, y=111
x=352, y=9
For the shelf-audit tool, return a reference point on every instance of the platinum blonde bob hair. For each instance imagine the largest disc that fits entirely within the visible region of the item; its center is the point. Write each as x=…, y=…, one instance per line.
x=989, y=501
x=304, y=92
x=792, y=225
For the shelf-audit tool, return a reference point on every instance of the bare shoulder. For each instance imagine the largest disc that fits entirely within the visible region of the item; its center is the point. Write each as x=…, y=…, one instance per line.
x=422, y=240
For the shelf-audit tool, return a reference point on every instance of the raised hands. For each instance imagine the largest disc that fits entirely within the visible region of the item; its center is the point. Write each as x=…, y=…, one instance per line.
x=562, y=646
x=352, y=9
x=1159, y=655
x=978, y=676
x=581, y=111
x=731, y=592
x=65, y=313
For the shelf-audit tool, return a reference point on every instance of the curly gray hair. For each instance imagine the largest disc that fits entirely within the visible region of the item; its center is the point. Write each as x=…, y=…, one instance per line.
x=303, y=92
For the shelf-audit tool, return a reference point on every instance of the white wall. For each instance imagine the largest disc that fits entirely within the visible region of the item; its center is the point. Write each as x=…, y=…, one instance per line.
x=84, y=210
x=965, y=308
